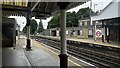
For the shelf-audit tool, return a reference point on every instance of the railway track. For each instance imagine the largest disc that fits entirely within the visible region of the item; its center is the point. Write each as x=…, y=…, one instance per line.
x=95, y=57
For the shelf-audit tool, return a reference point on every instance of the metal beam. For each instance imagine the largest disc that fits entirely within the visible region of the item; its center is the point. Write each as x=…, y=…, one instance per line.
x=46, y=5
x=23, y=9
x=35, y=5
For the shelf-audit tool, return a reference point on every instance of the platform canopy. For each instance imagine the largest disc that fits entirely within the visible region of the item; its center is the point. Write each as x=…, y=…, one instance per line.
x=111, y=11
x=41, y=9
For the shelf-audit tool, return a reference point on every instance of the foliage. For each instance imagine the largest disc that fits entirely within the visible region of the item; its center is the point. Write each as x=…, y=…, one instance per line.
x=40, y=27
x=54, y=22
x=33, y=26
x=84, y=13
x=71, y=18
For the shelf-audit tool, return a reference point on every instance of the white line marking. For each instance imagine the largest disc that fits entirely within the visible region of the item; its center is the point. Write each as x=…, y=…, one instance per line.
x=57, y=54
x=68, y=54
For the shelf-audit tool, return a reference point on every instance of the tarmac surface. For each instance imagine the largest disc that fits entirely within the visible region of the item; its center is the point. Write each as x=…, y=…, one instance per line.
x=41, y=55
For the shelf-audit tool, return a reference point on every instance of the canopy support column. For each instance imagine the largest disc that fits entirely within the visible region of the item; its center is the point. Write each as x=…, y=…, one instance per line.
x=95, y=32
x=103, y=32
x=63, y=53
x=28, y=38
x=107, y=35
x=28, y=46
x=119, y=35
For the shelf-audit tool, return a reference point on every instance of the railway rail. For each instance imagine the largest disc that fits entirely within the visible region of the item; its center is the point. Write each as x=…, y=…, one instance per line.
x=93, y=54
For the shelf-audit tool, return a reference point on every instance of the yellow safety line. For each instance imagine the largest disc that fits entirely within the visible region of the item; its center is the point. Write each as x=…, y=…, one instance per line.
x=57, y=54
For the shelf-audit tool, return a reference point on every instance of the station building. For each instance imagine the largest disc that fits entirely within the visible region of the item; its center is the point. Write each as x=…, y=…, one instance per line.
x=104, y=26
x=109, y=18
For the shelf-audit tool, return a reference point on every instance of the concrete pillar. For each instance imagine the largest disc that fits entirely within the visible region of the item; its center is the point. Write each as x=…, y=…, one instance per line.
x=119, y=35
x=14, y=35
x=63, y=53
x=28, y=46
x=95, y=31
x=103, y=32
x=63, y=32
x=107, y=37
x=91, y=21
x=28, y=32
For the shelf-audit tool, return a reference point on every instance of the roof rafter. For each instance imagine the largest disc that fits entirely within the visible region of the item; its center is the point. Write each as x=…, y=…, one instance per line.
x=22, y=9
x=35, y=5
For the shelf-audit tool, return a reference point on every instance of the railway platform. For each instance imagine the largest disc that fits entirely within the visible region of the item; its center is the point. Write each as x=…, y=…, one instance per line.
x=41, y=56
x=94, y=53
x=90, y=41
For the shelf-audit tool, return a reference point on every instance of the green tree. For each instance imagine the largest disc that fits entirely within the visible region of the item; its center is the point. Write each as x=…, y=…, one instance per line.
x=72, y=20
x=33, y=26
x=85, y=13
x=40, y=27
x=54, y=22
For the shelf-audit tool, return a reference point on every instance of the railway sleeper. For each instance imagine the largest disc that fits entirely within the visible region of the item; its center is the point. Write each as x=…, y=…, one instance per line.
x=88, y=53
x=103, y=56
x=88, y=60
x=96, y=58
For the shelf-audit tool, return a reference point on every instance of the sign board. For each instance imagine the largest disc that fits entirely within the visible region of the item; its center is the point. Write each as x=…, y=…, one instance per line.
x=90, y=32
x=98, y=33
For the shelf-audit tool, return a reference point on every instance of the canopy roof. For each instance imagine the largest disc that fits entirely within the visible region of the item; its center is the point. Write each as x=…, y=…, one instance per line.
x=37, y=8
x=112, y=10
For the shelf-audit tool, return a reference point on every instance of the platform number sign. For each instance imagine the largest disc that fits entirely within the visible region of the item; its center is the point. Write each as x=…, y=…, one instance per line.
x=98, y=33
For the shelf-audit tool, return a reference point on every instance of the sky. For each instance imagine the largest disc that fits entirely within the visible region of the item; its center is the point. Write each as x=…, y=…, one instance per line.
x=100, y=5
x=96, y=5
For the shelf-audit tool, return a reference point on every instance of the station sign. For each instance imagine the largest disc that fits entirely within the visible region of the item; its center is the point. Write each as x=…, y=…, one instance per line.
x=98, y=33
